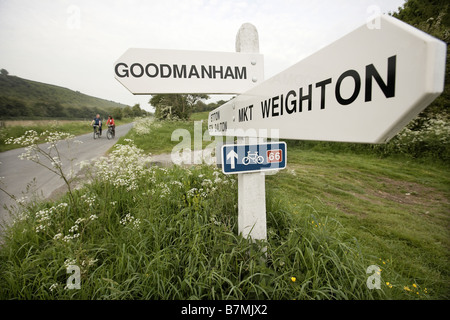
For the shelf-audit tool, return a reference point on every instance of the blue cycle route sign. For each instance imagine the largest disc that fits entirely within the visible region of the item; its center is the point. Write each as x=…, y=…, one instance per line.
x=244, y=158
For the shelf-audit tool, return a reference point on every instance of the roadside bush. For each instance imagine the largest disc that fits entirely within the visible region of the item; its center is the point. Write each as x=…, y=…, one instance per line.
x=142, y=126
x=427, y=138
x=421, y=138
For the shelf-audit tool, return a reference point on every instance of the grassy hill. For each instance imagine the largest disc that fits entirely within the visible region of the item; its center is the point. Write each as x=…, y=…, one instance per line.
x=20, y=98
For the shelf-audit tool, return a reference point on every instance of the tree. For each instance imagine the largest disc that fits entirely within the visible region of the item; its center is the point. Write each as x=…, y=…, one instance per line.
x=4, y=72
x=73, y=112
x=199, y=106
x=117, y=113
x=175, y=105
x=136, y=109
x=10, y=108
x=54, y=109
x=432, y=17
x=86, y=112
x=127, y=112
x=421, y=13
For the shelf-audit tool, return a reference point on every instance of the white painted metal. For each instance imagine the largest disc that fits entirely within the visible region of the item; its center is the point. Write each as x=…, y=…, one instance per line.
x=151, y=71
x=365, y=87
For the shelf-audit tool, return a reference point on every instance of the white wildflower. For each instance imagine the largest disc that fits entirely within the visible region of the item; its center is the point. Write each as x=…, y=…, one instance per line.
x=70, y=262
x=125, y=165
x=142, y=126
x=79, y=220
x=177, y=183
x=83, y=164
x=54, y=286
x=58, y=236
x=74, y=228
x=206, y=182
x=131, y=221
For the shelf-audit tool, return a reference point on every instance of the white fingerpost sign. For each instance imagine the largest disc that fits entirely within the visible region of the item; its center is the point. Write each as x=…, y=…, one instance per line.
x=365, y=87
x=151, y=71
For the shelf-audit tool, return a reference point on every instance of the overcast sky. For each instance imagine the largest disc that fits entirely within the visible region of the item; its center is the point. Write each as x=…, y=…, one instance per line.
x=74, y=44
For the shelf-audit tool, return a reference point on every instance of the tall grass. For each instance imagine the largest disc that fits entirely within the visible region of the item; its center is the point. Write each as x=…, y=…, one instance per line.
x=143, y=232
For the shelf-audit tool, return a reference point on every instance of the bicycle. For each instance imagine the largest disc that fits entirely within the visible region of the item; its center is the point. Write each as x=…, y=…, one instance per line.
x=96, y=132
x=253, y=157
x=110, y=134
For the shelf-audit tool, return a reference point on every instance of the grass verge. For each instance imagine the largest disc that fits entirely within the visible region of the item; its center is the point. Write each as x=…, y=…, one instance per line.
x=397, y=209
x=173, y=236
x=143, y=232
x=158, y=137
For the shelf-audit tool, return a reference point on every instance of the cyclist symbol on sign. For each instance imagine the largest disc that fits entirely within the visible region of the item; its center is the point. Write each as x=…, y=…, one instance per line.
x=252, y=157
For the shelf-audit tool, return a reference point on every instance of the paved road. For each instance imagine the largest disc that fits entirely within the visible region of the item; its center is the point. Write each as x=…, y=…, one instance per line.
x=18, y=173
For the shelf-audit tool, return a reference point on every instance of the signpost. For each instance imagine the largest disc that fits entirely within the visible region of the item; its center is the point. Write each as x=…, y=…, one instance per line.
x=365, y=87
x=144, y=71
x=245, y=158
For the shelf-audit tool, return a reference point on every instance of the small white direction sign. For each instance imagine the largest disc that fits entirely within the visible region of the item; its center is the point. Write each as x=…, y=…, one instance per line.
x=151, y=71
x=365, y=87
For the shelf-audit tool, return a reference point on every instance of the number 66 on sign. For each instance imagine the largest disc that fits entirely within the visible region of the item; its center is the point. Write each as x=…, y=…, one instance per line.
x=274, y=156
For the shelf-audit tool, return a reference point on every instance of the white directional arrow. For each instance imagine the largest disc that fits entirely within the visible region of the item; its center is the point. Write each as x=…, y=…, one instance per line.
x=232, y=155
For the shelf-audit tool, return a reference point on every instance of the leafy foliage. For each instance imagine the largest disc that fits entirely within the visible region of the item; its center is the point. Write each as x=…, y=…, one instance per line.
x=175, y=106
x=432, y=17
x=200, y=106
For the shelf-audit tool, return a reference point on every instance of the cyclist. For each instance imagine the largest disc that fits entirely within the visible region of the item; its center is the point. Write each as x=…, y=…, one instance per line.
x=110, y=122
x=98, y=122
